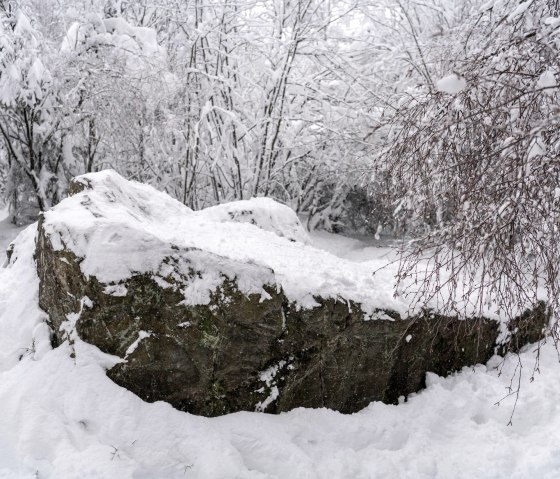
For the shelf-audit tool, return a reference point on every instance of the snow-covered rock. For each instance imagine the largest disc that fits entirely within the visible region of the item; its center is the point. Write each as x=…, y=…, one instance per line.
x=265, y=213
x=215, y=317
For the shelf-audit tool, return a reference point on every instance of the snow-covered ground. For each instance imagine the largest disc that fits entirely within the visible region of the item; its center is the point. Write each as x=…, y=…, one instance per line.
x=8, y=232
x=63, y=418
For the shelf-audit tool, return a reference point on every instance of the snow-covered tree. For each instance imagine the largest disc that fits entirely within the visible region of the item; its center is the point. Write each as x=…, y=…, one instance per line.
x=216, y=101
x=114, y=85
x=477, y=157
x=30, y=120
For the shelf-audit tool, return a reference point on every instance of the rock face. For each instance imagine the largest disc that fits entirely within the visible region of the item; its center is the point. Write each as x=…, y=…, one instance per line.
x=211, y=334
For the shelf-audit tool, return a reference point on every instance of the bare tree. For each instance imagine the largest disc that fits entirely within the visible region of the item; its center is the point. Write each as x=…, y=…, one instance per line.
x=477, y=158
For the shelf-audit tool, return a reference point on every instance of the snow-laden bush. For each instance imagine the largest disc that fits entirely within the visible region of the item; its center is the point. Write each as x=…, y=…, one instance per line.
x=30, y=121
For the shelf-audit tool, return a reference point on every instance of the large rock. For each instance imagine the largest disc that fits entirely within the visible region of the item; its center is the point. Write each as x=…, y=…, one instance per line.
x=218, y=317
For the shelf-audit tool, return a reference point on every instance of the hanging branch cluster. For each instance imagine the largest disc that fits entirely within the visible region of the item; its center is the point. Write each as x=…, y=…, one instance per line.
x=481, y=163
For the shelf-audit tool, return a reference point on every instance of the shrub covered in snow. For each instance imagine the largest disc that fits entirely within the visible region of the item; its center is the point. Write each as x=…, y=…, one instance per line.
x=481, y=152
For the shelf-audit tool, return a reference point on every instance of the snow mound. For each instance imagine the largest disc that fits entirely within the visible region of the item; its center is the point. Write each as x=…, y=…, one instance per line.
x=121, y=228
x=265, y=213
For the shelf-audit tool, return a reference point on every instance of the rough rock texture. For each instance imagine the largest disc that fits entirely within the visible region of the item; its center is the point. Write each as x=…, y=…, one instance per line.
x=245, y=351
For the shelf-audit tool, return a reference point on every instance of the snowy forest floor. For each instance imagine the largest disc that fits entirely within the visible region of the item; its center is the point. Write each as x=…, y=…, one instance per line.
x=7, y=233
x=63, y=418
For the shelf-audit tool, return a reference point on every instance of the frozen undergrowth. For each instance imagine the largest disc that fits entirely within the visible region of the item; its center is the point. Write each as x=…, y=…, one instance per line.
x=63, y=418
